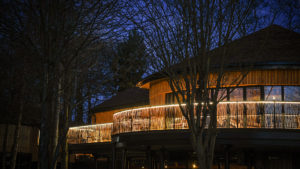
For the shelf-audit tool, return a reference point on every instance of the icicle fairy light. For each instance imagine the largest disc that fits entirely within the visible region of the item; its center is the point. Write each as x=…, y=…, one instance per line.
x=90, y=133
x=231, y=114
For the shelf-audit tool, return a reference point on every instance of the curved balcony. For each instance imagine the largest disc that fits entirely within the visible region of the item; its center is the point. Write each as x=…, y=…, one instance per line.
x=243, y=114
x=90, y=133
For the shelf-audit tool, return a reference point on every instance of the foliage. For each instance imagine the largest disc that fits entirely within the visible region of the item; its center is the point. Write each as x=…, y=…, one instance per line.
x=129, y=63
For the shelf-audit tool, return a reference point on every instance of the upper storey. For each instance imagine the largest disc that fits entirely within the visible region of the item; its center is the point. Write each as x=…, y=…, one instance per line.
x=271, y=56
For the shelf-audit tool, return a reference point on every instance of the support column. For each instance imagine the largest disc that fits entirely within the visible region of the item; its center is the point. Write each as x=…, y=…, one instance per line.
x=114, y=156
x=96, y=163
x=124, y=159
x=162, y=159
x=187, y=163
x=149, y=158
x=227, y=158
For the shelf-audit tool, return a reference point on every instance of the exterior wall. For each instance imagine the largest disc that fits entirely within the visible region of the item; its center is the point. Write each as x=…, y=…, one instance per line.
x=107, y=116
x=28, y=142
x=159, y=88
x=104, y=117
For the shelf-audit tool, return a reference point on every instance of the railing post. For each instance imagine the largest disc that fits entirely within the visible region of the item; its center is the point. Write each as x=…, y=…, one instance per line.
x=149, y=119
x=131, y=121
x=274, y=118
x=263, y=118
x=119, y=126
x=165, y=114
x=237, y=115
x=173, y=117
x=245, y=116
x=228, y=116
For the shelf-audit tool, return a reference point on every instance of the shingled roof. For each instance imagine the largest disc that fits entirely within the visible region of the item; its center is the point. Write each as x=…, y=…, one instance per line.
x=128, y=98
x=271, y=47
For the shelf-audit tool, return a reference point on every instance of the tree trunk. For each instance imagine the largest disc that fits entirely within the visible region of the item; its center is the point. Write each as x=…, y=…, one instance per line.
x=89, y=121
x=15, y=146
x=4, y=146
x=65, y=147
x=65, y=155
x=44, y=136
x=56, y=124
x=204, y=154
x=14, y=150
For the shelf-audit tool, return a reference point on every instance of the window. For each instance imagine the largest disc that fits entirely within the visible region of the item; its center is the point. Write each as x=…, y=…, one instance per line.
x=272, y=93
x=236, y=94
x=292, y=93
x=253, y=93
x=170, y=98
x=222, y=95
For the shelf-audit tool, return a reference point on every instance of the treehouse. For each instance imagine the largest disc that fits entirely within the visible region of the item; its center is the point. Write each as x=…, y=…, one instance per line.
x=258, y=122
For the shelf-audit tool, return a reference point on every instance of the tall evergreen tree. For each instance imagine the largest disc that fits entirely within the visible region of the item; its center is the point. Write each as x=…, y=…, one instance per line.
x=130, y=62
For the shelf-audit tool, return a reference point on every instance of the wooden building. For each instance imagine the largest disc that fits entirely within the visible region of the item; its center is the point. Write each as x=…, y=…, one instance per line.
x=258, y=123
x=27, y=152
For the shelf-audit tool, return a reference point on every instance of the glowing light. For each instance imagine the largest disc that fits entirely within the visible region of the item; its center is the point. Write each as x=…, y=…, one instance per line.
x=194, y=165
x=91, y=126
x=165, y=117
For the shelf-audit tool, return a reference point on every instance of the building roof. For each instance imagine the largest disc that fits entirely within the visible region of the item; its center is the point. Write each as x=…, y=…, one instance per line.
x=271, y=47
x=132, y=97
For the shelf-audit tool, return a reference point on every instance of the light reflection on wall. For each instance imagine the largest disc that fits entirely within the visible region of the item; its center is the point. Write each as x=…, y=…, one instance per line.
x=242, y=114
x=90, y=134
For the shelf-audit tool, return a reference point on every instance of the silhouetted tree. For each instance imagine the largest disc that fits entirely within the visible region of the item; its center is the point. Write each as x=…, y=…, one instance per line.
x=129, y=63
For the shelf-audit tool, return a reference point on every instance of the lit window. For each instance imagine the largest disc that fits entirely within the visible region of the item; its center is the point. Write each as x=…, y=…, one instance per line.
x=292, y=93
x=273, y=93
x=253, y=93
x=236, y=94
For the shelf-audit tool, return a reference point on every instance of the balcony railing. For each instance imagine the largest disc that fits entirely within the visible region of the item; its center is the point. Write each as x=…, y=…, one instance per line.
x=90, y=134
x=245, y=114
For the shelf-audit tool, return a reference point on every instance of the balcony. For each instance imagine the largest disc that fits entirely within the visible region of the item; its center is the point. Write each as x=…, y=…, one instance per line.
x=90, y=134
x=243, y=114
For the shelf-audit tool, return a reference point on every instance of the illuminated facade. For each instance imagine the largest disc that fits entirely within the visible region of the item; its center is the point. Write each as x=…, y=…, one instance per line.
x=263, y=112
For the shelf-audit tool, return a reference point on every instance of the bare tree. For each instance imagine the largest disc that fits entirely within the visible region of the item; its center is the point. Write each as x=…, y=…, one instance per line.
x=58, y=34
x=190, y=41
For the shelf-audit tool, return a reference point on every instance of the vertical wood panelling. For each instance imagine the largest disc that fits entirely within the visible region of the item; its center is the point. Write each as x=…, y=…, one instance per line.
x=28, y=138
x=159, y=88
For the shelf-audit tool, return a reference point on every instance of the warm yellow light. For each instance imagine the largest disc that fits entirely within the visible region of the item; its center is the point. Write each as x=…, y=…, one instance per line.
x=194, y=165
x=90, y=126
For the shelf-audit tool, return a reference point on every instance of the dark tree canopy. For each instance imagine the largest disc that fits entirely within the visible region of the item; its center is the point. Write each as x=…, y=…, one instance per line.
x=129, y=63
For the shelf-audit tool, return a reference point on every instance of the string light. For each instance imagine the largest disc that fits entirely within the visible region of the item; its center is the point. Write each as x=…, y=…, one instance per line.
x=91, y=126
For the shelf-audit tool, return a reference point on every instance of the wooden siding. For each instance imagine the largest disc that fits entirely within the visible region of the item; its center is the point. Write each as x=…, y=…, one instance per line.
x=104, y=117
x=159, y=88
x=28, y=142
x=107, y=116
